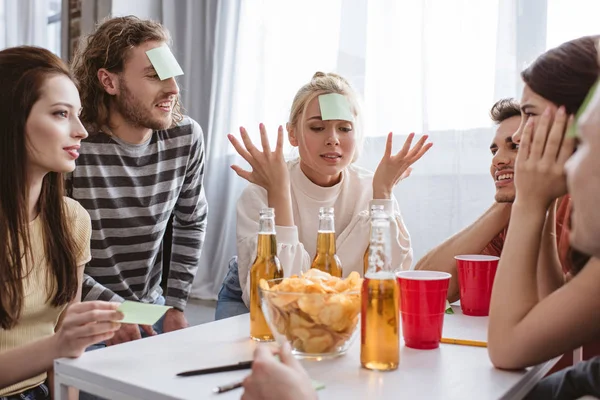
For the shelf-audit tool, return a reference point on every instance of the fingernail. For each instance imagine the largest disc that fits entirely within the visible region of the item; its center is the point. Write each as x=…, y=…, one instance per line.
x=547, y=111
x=561, y=110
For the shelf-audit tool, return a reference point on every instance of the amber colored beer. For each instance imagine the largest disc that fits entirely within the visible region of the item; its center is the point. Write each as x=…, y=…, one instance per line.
x=266, y=266
x=380, y=328
x=326, y=260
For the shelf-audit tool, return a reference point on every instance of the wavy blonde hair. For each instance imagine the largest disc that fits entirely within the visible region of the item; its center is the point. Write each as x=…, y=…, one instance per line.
x=108, y=47
x=324, y=83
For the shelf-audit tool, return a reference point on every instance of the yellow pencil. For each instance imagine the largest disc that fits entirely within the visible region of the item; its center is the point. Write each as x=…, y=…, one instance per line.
x=464, y=342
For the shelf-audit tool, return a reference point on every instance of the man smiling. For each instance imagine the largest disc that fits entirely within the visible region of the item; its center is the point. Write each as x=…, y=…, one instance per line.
x=142, y=163
x=487, y=234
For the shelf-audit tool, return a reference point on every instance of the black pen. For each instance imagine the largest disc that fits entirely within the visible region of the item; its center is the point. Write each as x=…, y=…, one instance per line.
x=227, y=388
x=224, y=368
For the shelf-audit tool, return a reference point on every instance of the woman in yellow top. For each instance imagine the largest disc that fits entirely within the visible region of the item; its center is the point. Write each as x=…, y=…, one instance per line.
x=44, y=237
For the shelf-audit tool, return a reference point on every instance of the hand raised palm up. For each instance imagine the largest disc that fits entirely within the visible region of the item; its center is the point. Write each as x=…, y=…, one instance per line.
x=394, y=167
x=269, y=169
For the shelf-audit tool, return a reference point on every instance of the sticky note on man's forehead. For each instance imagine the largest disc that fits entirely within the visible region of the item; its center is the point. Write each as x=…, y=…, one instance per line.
x=335, y=106
x=164, y=62
x=141, y=313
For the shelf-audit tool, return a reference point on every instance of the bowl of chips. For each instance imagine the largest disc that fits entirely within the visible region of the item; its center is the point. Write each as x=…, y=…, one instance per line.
x=316, y=313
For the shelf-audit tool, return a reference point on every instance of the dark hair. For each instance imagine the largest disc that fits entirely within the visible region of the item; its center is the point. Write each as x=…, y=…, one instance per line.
x=23, y=72
x=504, y=109
x=108, y=47
x=565, y=74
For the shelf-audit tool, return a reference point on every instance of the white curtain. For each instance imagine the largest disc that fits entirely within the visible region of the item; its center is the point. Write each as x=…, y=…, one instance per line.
x=24, y=22
x=424, y=66
x=205, y=40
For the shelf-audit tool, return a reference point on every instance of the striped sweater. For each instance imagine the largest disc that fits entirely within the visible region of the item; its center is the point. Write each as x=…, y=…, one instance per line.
x=130, y=192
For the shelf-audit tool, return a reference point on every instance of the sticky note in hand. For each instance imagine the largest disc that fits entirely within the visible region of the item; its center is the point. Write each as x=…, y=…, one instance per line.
x=316, y=385
x=141, y=313
x=164, y=62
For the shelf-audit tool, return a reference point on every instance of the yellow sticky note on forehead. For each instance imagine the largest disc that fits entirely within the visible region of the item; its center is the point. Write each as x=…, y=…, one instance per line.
x=335, y=106
x=164, y=62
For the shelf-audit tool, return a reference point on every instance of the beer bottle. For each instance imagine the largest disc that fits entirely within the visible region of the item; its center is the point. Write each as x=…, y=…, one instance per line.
x=265, y=266
x=326, y=260
x=374, y=208
x=380, y=327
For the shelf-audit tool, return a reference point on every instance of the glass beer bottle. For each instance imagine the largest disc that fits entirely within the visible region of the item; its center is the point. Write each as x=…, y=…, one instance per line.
x=265, y=266
x=374, y=208
x=380, y=318
x=326, y=260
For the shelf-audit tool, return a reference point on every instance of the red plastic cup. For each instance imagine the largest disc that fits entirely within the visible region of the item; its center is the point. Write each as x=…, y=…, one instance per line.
x=422, y=305
x=476, y=277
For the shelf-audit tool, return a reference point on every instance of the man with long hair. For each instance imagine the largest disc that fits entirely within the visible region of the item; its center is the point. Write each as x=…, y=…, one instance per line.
x=142, y=163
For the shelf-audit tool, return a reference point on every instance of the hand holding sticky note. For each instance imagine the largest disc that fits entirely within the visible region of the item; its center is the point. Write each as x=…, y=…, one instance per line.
x=141, y=313
x=164, y=62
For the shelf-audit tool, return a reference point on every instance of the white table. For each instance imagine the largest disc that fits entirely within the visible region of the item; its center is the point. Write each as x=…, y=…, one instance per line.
x=145, y=369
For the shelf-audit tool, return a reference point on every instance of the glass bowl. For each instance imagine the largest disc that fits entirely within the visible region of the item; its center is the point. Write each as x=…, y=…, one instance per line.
x=317, y=324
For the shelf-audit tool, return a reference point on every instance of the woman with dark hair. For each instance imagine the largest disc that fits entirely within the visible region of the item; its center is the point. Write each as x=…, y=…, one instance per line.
x=561, y=76
x=530, y=320
x=44, y=237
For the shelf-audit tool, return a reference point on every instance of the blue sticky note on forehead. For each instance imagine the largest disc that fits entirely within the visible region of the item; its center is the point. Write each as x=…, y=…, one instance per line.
x=164, y=62
x=335, y=106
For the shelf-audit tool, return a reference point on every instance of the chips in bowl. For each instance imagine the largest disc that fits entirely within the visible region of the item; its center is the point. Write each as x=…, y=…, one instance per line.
x=316, y=312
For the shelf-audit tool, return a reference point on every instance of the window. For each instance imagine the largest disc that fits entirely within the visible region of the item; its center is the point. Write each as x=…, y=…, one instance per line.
x=419, y=66
x=54, y=26
x=570, y=19
x=31, y=22
x=280, y=46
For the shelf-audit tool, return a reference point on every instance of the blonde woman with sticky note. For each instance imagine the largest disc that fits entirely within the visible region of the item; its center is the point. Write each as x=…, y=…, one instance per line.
x=324, y=124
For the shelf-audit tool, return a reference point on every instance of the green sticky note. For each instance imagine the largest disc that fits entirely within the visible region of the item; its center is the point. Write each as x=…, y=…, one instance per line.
x=335, y=106
x=141, y=313
x=164, y=62
x=316, y=385
x=573, y=129
x=449, y=309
